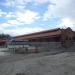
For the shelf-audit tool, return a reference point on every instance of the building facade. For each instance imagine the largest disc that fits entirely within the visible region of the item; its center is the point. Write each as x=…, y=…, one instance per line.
x=49, y=40
x=65, y=36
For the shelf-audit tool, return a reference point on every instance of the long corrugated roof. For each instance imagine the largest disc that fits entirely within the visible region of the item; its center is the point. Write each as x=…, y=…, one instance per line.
x=2, y=40
x=51, y=32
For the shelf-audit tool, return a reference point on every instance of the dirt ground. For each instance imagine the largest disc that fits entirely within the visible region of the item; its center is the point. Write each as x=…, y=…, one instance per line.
x=38, y=64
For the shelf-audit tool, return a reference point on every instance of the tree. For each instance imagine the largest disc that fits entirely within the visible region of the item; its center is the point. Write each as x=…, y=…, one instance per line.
x=5, y=36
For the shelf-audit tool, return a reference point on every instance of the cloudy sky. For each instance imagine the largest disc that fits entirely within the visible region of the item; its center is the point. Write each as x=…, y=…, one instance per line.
x=19, y=17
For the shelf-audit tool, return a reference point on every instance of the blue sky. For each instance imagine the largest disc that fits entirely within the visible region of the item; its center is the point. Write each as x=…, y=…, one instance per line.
x=19, y=17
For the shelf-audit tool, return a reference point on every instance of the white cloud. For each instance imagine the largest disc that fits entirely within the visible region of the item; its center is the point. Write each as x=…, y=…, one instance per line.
x=65, y=9
x=13, y=22
x=2, y=14
x=9, y=23
x=22, y=3
x=15, y=4
x=1, y=30
x=10, y=15
x=21, y=31
x=62, y=8
x=36, y=2
x=20, y=17
x=3, y=25
x=9, y=3
x=27, y=16
x=6, y=15
x=67, y=22
x=17, y=30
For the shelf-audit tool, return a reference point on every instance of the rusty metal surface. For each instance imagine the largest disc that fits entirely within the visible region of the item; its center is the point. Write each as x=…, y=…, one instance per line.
x=49, y=33
x=2, y=40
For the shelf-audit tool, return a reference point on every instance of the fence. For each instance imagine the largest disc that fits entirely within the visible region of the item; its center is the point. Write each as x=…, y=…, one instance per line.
x=34, y=47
